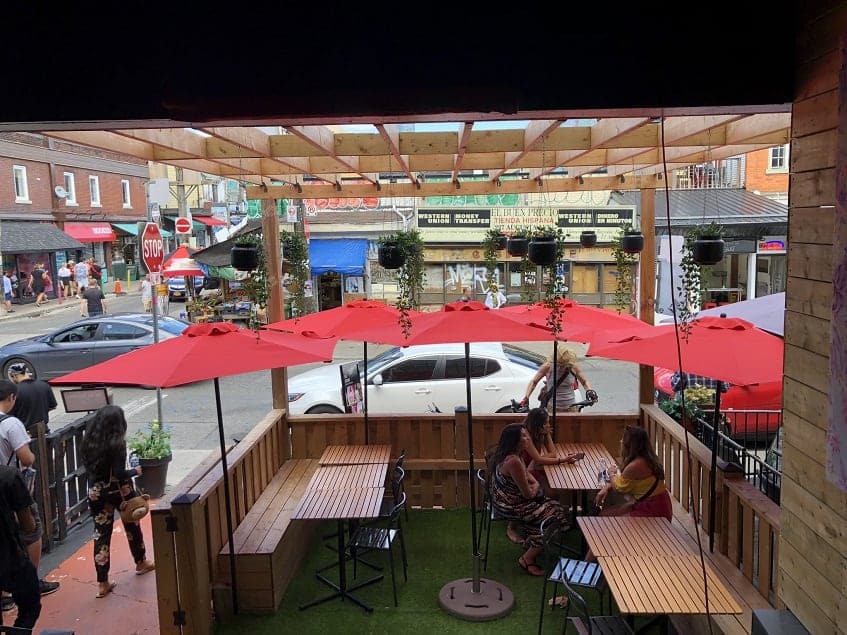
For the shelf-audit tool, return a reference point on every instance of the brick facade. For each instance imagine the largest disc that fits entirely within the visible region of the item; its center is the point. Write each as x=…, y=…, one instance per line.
x=759, y=177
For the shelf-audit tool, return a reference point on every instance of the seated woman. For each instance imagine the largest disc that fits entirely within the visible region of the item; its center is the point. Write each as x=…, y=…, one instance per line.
x=516, y=494
x=642, y=479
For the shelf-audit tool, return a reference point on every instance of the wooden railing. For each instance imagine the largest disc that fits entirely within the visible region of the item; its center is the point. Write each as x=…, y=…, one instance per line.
x=746, y=521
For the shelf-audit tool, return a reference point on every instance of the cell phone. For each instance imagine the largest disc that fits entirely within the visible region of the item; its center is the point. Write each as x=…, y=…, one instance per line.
x=579, y=456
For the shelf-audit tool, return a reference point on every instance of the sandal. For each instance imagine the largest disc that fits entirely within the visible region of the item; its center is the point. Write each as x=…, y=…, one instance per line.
x=514, y=536
x=146, y=567
x=530, y=567
x=106, y=591
x=561, y=601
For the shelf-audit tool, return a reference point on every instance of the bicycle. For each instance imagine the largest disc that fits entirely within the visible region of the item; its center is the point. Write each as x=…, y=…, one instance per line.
x=591, y=399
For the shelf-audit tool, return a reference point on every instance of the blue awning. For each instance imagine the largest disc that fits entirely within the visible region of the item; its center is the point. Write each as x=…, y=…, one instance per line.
x=345, y=256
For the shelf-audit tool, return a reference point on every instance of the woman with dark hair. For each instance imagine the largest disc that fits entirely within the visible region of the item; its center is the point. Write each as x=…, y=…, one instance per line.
x=642, y=479
x=104, y=457
x=516, y=494
x=541, y=451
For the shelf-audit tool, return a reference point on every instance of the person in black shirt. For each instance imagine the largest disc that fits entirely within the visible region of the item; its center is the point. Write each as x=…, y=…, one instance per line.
x=110, y=482
x=93, y=301
x=17, y=573
x=35, y=398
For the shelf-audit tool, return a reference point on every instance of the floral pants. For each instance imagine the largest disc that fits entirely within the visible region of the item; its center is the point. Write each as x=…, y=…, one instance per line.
x=103, y=500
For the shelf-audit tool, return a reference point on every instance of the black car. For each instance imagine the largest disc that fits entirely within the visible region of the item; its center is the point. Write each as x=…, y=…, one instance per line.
x=85, y=343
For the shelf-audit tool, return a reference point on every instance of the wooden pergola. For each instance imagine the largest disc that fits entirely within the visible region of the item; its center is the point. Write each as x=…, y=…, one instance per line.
x=509, y=154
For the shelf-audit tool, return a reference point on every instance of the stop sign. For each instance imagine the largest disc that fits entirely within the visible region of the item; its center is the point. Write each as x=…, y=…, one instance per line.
x=182, y=225
x=152, y=249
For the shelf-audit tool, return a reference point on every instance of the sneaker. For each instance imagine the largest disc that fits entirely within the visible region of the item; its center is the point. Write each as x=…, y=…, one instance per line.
x=8, y=603
x=48, y=587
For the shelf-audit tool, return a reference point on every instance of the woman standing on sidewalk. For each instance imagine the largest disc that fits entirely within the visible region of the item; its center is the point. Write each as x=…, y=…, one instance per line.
x=104, y=457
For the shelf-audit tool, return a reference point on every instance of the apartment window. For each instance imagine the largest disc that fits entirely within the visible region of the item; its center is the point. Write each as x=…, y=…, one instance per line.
x=94, y=187
x=778, y=161
x=125, y=192
x=70, y=188
x=21, y=185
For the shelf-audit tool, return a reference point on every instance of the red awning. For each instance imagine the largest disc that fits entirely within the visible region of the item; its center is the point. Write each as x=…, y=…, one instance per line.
x=91, y=232
x=209, y=221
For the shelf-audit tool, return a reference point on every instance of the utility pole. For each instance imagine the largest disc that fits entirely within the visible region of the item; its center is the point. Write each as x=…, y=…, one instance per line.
x=181, y=202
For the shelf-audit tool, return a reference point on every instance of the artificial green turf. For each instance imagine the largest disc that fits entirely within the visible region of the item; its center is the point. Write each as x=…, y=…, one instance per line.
x=439, y=550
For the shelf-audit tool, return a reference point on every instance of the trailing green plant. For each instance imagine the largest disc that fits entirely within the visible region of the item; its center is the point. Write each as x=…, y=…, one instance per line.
x=528, y=293
x=690, y=291
x=411, y=276
x=256, y=282
x=625, y=283
x=489, y=251
x=554, y=286
x=153, y=443
x=295, y=250
x=680, y=410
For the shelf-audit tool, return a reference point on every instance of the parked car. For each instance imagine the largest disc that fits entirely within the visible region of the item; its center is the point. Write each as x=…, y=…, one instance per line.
x=427, y=378
x=86, y=342
x=737, y=402
x=177, y=289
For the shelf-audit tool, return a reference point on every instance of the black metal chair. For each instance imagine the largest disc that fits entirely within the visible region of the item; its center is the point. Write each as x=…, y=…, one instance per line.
x=580, y=573
x=587, y=623
x=487, y=515
x=399, y=464
x=375, y=537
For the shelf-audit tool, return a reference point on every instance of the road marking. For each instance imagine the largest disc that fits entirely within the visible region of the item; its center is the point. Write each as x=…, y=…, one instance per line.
x=135, y=406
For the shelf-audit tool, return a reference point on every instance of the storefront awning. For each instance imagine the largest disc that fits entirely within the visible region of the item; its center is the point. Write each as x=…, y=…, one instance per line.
x=209, y=221
x=132, y=228
x=345, y=256
x=20, y=237
x=91, y=232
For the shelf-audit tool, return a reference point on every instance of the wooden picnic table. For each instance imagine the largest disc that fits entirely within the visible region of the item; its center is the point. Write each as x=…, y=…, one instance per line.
x=328, y=477
x=340, y=504
x=355, y=454
x=581, y=475
x=650, y=568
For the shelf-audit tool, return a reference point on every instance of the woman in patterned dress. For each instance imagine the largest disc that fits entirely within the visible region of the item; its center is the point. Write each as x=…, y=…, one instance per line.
x=516, y=494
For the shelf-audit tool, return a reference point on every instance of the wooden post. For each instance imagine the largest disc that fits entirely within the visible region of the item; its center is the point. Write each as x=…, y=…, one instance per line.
x=647, y=286
x=270, y=236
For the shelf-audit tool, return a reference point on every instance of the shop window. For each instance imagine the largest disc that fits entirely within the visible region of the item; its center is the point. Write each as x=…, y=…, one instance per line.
x=70, y=188
x=125, y=193
x=94, y=189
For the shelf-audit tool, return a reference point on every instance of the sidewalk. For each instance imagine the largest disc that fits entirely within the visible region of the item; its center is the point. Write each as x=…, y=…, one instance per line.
x=131, y=608
x=30, y=310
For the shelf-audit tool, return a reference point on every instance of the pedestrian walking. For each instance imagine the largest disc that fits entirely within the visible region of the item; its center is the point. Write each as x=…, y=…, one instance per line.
x=94, y=271
x=8, y=290
x=35, y=398
x=93, y=301
x=494, y=297
x=15, y=451
x=38, y=282
x=64, y=276
x=73, y=290
x=146, y=293
x=81, y=275
x=18, y=574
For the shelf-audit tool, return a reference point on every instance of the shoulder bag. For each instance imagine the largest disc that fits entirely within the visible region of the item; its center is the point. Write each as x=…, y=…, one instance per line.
x=623, y=508
x=545, y=395
x=133, y=508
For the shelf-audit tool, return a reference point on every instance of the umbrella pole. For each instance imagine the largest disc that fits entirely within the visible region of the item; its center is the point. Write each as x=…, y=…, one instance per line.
x=466, y=598
x=713, y=474
x=227, y=498
x=365, y=388
x=553, y=379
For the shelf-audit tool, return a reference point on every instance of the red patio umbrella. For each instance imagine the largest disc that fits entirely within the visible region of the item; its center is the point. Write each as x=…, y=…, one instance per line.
x=728, y=349
x=463, y=322
x=181, y=263
x=206, y=351
x=340, y=321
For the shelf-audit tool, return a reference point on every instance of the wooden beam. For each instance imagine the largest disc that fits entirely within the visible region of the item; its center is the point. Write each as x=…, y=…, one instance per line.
x=536, y=133
x=464, y=138
x=391, y=136
x=647, y=285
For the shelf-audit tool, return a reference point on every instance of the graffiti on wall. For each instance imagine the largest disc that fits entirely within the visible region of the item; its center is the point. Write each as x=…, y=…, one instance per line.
x=466, y=274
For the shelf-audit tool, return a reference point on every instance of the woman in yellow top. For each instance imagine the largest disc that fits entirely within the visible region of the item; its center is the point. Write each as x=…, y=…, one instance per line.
x=642, y=478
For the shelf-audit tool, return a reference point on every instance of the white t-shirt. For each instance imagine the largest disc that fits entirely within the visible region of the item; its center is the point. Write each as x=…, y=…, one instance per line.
x=494, y=300
x=13, y=436
x=64, y=273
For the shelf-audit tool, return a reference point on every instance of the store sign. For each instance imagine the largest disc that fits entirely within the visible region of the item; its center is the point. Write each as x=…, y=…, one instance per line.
x=450, y=218
x=606, y=221
x=771, y=245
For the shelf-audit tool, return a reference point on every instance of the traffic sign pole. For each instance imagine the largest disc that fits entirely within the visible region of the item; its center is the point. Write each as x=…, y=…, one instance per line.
x=153, y=255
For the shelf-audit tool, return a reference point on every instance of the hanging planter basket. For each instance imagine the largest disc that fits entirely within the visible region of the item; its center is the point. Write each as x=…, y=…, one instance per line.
x=244, y=257
x=632, y=242
x=708, y=250
x=502, y=241
x=517, y=246
x=588, y=238
x=542, y=251
x=391, y=256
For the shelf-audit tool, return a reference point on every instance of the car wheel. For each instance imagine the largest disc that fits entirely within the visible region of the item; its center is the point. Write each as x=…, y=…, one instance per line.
x=7, y=368
x=324, y=410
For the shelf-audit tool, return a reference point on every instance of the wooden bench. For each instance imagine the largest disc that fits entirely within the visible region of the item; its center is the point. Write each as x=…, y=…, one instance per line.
x=745, y=594
x=268, y=546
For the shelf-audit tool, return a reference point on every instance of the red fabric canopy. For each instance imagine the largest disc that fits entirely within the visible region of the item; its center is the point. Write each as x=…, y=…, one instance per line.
x=728, y=349
x=204, y=351
x=181, y=263
x=209, y=221
x=91, y=232
x=350, y=318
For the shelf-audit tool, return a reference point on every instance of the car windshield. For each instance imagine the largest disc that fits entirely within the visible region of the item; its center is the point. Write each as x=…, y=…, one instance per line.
x=167, y=324
x=382, y=359
x=523, y=357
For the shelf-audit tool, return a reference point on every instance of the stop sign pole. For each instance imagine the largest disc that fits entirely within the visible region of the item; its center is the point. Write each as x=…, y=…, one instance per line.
x=153, y=255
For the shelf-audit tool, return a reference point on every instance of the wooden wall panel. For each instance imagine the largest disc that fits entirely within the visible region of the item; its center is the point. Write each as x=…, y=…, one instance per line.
x=809, y=296
x=804, y=469
x=813, y=262
x=812, y=189
x=810, y=368
x=812, y=224
x=807, y=332
x=813, y=152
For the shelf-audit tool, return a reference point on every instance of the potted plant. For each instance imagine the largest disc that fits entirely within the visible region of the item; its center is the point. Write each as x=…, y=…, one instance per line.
x=244, y=256
x=410, y=278
x=295, y=250
x=543, y=249
x=490, y=246
x=625, y=263
x=588, y=238
x=632, y=240
x=389, y=253
x=152, y=447
x=518, y=243
x=708, y=244
x=548, y=249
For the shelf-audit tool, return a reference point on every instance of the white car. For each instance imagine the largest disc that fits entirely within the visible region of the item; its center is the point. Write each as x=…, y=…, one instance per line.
x=428, y=378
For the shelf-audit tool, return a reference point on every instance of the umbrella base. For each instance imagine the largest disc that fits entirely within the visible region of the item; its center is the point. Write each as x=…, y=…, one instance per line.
x=492, y=602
